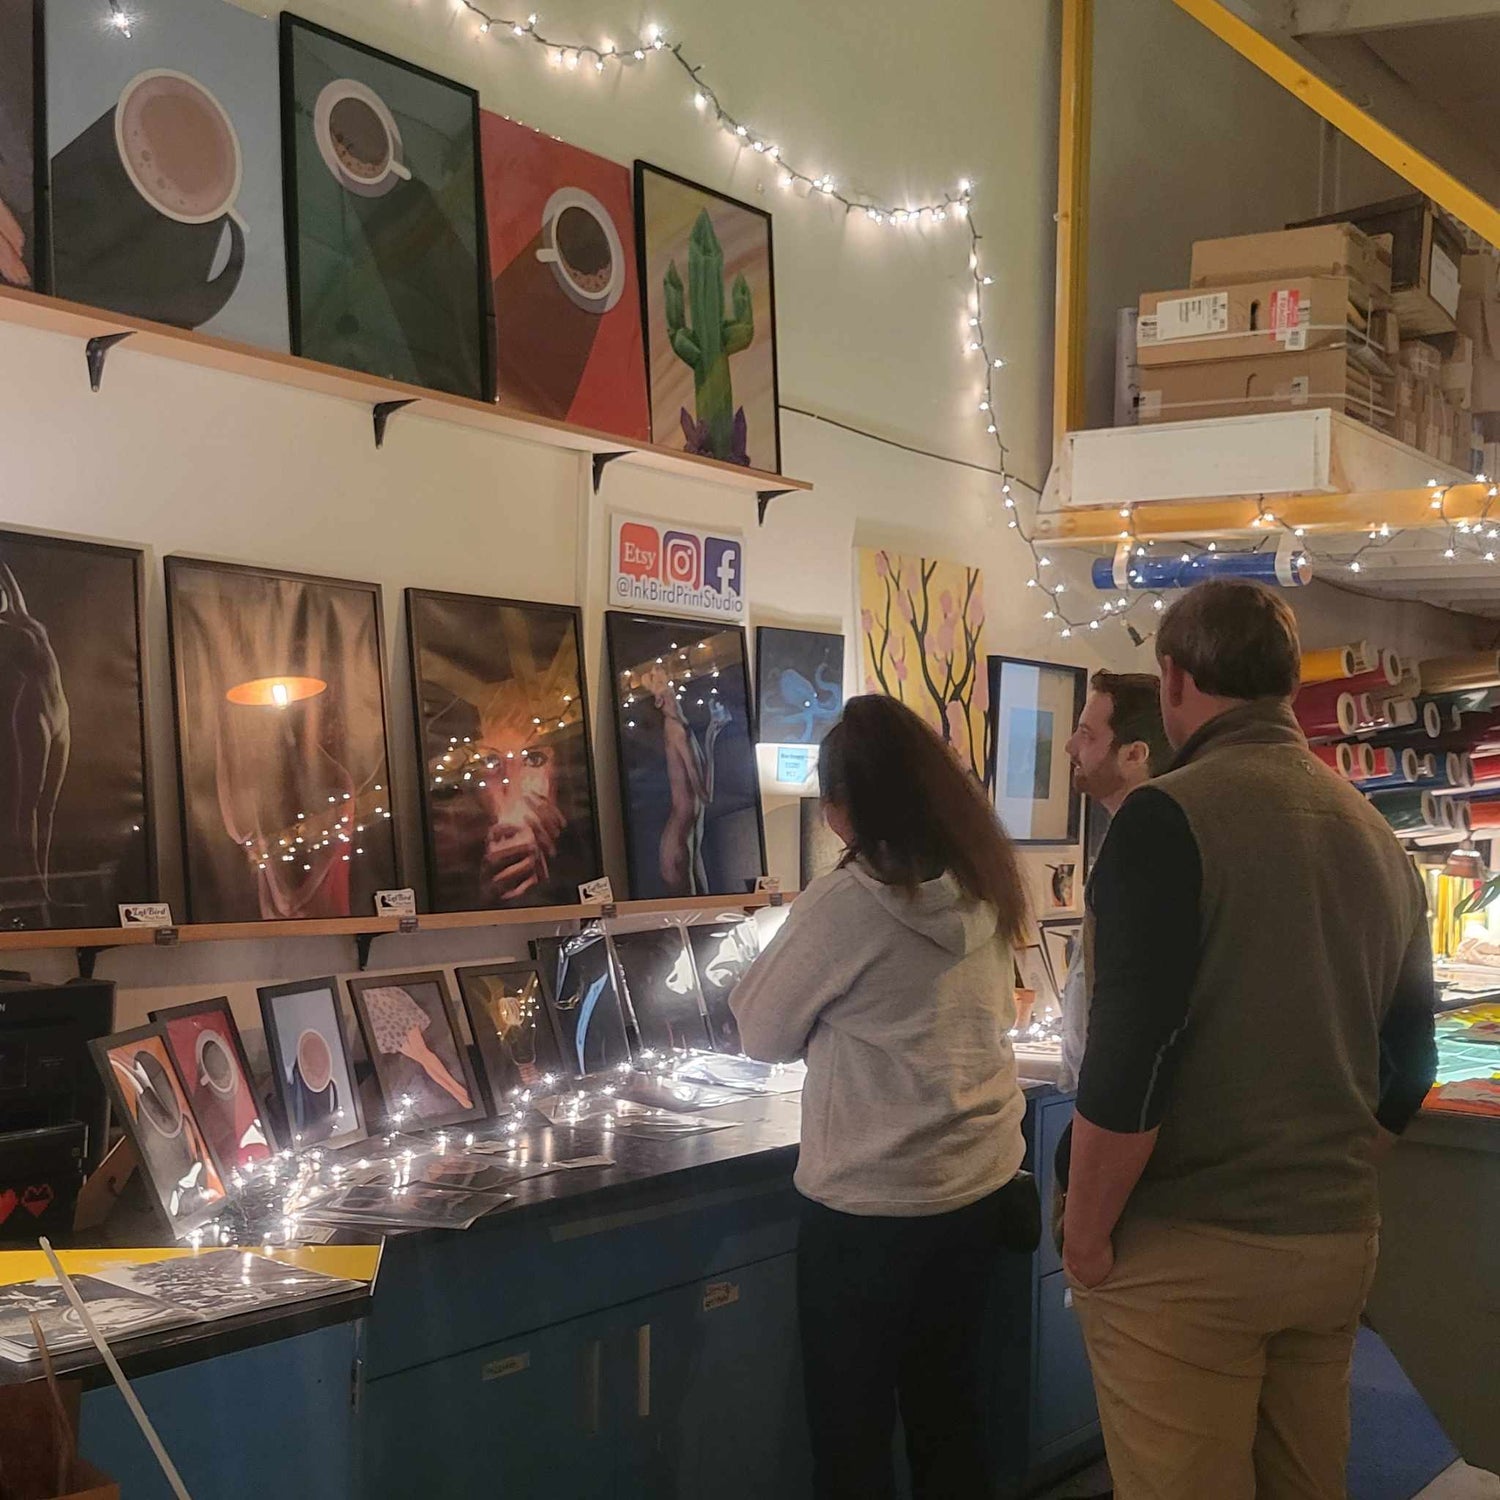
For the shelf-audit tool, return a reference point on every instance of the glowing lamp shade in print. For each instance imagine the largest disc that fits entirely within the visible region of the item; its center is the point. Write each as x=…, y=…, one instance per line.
x=513, y=1029
x=922, y=640
x=1036, y=705
x=281, y=743
x=691, y=794
x=21, y=150
x=311, y=1070
x=799, y=684
x=709, y=295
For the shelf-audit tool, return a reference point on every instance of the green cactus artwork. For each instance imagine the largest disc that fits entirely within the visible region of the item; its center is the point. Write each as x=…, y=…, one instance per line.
x=718, y=428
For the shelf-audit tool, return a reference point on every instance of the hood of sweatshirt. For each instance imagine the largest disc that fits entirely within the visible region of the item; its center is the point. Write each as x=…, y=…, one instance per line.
x=938, y=910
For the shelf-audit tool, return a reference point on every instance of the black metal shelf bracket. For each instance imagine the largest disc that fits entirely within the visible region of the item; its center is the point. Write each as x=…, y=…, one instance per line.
x=362, y=941
x=763, y=499
x=601, y=462
x=96, y=351
x=382, y=414
x=87, y=958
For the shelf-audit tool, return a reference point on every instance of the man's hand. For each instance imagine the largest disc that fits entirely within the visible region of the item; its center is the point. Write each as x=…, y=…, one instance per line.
x=1090, y=1265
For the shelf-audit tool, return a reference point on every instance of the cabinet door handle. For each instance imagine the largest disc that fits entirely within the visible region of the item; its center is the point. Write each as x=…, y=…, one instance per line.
x=593, y=1380
x=643, y=1370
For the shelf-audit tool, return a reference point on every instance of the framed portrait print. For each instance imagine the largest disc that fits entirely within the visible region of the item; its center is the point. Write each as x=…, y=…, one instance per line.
x=799, y=684
x=508, y=797
x=23, y=146
x=75, y=838
x=578, y=982
x=513, y=1028
x=686, y=736
x=384, y=230
x=421, y=1063
x=311, y=1069
x=209, y=1057
x=722, y=955
x=281, y=742
x=661, y=988
x=708, y=299
x=150, y=1104
x=1035, y=705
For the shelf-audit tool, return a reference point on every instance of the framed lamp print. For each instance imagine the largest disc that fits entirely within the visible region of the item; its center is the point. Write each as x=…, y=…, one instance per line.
x=708, y=299
x=578, y=981
x=1035, y=705
x=686, y=736
x=508, y=797
x=421, y=1062
x=281, y=742
x=661, y=988
x=384, y=230
x=23, y=146
x=311, y=1069
x=512, y=1027
x=75, y=839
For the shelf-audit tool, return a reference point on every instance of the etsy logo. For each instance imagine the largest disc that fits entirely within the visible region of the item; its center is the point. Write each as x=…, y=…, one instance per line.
x=722, y=566
x=682, y=559
x=640, y=550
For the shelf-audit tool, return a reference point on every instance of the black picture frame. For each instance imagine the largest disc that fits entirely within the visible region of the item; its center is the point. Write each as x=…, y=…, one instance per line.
x=500, y=1073
x=290, y=1136
x=767, y=640
x=359, y=987
x=709, y=942
x=1058, y=935
x=290, y=24
x=641, y=957
x=641, y=169
x=568, y=612
x=1080, y=681
x=174, y=565
x=41, y=227
x=615, y=1043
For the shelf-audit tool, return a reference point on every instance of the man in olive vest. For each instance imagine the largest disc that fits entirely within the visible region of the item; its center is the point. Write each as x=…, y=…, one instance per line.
x=1260, y=1030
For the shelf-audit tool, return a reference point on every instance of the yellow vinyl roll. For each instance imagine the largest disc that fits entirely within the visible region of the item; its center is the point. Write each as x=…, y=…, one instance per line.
x=1327, y=666
x=1461, y=674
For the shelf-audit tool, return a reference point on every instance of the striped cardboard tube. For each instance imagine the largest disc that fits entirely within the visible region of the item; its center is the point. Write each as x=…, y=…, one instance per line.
x=1337, y=757
x=1332, y=715
x=1329, y=665
x=1457, y=674
x=1408, y=811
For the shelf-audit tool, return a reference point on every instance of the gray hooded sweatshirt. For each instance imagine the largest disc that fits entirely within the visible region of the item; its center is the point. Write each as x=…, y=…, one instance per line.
x=901, y=1005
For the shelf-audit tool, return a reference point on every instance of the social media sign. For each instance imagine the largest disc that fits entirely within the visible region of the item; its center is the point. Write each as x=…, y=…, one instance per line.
x=664, y=565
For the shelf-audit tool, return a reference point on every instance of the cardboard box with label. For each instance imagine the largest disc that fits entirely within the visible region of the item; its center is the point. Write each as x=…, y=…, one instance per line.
x=1324, y=250
x=1479, y=320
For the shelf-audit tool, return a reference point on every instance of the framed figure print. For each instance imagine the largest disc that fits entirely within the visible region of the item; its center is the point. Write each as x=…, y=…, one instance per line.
x=503, y=731
x=166, y=167
x=661, y=988
x=281, y=742
x=565, y=294
x=686, y=737
x=708, y=299
x=722, y=955
x=799, y=684
x=311, y=1069
x=384, y=230
x=23, y=146
x=579, y=984
x=210, y=1060
x=1035, y=705
x=150, y=1104
x=512, y=1027
x=1060, y=944
x=75, y=839
x=421, y=1063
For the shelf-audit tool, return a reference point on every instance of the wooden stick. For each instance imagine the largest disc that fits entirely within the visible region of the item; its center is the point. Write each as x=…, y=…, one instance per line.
x=113, y=1366
x=64, y=1437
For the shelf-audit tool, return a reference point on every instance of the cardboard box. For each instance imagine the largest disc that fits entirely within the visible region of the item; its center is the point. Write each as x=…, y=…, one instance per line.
x=1253, y=318
x=1479, y=320
x=1425, y=361
x=1325, y=250
x=1457, y=378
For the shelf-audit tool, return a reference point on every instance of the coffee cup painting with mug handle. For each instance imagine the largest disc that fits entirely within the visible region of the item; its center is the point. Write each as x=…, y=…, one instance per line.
x=165, y=171
x=311, y=1068
x=359, y=139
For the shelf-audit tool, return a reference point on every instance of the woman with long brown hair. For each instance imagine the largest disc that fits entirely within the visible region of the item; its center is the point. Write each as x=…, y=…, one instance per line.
x=893, y=978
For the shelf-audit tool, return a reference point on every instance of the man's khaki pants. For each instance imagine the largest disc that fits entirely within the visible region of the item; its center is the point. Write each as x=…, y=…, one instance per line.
x=1221, y=1360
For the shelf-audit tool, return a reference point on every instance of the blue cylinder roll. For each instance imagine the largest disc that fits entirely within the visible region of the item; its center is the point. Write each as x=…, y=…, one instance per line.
x=1279, y=571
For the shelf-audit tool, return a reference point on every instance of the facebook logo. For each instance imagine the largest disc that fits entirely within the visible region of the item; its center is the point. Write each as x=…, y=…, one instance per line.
x=722, y=565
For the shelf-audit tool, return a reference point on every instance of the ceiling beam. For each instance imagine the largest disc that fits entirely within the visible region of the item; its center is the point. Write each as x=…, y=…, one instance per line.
x=1336, y=17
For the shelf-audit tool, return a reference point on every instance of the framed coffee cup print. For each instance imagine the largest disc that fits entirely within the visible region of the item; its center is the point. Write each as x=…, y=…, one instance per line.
x=23, y=150
x=1035, y=705
x=166, y=165
x=383, y=204
x=513, y=1029
x=311, y=1069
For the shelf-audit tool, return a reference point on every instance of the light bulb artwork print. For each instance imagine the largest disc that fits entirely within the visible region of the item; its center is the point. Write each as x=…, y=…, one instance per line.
x=513, y=1029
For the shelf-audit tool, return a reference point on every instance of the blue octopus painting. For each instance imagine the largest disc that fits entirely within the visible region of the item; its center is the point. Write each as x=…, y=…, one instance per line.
x=800, y=684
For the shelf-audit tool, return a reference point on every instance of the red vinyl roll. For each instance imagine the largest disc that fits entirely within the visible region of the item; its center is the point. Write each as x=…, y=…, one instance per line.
x=1485, y=814
x=1373, y=763
x=1486, y=770
x=1369, y=715
x=1326, y=711
x=1337, y=757
x=1400, y=713
x=1385, y=676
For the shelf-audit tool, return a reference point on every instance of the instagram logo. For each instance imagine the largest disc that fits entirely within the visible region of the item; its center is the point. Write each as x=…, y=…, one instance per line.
x=682, y=559
x=640, y=551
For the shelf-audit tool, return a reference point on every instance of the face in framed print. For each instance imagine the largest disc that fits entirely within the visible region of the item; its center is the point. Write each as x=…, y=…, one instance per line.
x=210, y=1061
x=512, y=1027
x=311, y=1068
x=661, y=988
x=23, y=150
x=281, y=742
x=411, y=1035
x=150, y=1104
x=1035, y=705
x=503, y=730
x=686, y=737
x=75, y=837
x=384, y=229
x=799, y=684
x=708, y=296
x=579, y=984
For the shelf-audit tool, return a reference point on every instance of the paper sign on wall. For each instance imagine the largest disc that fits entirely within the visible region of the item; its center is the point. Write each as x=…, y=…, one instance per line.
x=664, y=565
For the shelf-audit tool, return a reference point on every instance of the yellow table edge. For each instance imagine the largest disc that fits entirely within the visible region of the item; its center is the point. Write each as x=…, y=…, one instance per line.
x=353, y=1262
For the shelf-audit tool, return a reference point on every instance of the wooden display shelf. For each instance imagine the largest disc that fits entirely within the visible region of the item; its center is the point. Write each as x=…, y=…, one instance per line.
x=33, y=310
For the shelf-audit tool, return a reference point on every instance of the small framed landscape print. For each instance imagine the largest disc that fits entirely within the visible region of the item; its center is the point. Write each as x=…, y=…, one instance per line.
x=1035, y=705
x=310, y=1063
x=513, y=1028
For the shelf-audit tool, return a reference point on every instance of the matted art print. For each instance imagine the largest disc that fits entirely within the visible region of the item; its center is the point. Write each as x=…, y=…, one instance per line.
x=565, y=292
x=709, y=298
x=384, y=228
x=503, y=731
x=22, y=145
x=166, y=165
x=1036, y=705
x=579, y=983
x=686, y=737
x=661, y=988
x=512, y=1026
x=75, y=839
x=799, y=684
x=311, y=1069
x=281, y=742
x=722, y=955
x=922, y=641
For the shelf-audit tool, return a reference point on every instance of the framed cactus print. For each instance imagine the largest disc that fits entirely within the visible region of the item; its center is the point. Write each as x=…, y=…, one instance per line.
x=708, y=300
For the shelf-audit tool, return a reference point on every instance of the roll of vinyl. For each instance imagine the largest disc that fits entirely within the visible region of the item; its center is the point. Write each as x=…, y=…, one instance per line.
x=1332, y=715
x=1369, y=715
x=1485, y=770
x=1332, y=663
x=1484, y=815
x=1337, y=757
x=1386, y=767
x=1274, y=569
x=1378, y=684
x=1409, y=811
x=1457, y=674
x=1385, y=674
x=1427, y=767
x=1456, y=810
x=1400, y=713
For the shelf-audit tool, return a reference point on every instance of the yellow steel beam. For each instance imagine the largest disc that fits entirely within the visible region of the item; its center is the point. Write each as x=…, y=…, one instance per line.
x=1073, y=144
x=1177, y=520
x=1364, y=130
